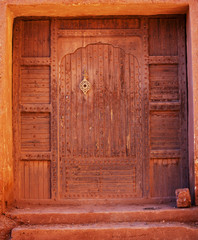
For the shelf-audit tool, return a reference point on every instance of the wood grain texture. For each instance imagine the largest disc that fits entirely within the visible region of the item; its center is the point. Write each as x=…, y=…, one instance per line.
x=164, y=85
x=36, y=38
x=99, y=124
x=35, y=132
x=164, y=130
x=163, y=37
x=35, y=179
x=166, y=177
x=35, y=84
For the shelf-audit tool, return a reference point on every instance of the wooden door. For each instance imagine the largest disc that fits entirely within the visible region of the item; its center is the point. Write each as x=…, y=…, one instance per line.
x=99, y=153
x=120, y=134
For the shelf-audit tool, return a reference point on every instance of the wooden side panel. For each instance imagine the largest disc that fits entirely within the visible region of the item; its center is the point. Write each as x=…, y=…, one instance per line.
x=163, y=37
x=164, y=130
x=35, y=84
x=168, y=125
x=35, y=132
x=32, y=109
x=164, y=85
x=100, y=23
x=166, y=177
x=35, y=179
x=36, y=38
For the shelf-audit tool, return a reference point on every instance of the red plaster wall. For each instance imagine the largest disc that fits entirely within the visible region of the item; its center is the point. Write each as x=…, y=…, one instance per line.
x=6, y=163
x=193, y=12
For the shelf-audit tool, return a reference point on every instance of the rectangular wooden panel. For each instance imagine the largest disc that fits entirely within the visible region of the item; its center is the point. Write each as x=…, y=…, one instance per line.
x=35, y=84
x=164, y=130
x=35, y=179
x=163, y=37
x=93, y=177
x=165, y=177
x=36, y=38
x=163, y=83
x=100, y=23
x=100, y=124
x=35, y=132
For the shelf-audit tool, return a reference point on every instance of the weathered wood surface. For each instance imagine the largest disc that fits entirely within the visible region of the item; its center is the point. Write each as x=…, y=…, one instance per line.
x=127, y=137
x=100, y=124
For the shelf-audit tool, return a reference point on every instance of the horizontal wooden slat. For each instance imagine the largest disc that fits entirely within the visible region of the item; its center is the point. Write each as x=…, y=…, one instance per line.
x=100, y=23
x=35, y=84
x=35, y=108
x=35, y=61
x=165, y=161
x=163, y=59
x=96, y=33
x=164, y=130
x=36, y=156
x=163, y=83
x=165, y=153
x=164, y=106
x=35, y=131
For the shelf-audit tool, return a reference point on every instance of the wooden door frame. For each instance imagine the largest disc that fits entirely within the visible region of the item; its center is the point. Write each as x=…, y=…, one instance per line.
x=54, y=126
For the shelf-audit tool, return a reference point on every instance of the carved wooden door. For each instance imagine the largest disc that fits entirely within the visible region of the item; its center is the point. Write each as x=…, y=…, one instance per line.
x=100, y=151
x=99, y=108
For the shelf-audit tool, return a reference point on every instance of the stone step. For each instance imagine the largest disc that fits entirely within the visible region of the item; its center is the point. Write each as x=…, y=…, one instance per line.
x=102, y=214
x=107, y=231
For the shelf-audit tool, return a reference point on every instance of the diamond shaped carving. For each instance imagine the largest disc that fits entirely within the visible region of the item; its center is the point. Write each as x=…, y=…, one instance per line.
x=85, y=85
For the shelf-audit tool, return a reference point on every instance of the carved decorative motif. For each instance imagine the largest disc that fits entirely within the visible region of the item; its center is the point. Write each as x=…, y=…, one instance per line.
x=54, y=99
x=165, y=154
x=36, y=156
x=166, y=161
x=103, y=32
x=85, y=85
x=145, y=120
x=35, y=107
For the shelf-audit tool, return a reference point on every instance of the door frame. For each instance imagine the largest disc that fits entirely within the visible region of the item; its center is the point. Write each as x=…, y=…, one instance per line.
x=54, y=113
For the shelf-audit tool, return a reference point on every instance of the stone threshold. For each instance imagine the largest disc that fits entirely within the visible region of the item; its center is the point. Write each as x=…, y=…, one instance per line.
x=107, y=231
x=102, y=214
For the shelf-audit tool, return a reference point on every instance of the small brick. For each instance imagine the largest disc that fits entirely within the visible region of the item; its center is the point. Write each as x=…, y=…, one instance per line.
x=183, y=197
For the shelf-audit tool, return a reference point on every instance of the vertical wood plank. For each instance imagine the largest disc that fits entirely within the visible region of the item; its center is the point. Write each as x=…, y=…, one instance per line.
x=40, y=180
x=37, y=38
x=46, y=182
x=27, y=180
x=22, y=180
